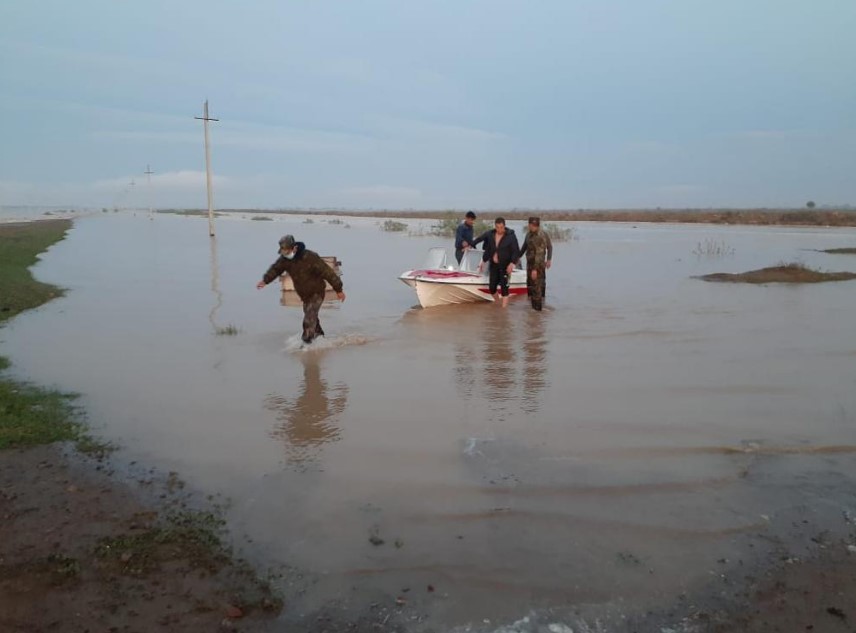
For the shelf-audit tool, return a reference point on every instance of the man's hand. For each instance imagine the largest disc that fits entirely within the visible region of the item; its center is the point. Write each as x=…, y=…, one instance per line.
x=465, y=244
x=341, y=295
x=509, y=269
x=549, y=263
x=534, y=274
x=260, y=285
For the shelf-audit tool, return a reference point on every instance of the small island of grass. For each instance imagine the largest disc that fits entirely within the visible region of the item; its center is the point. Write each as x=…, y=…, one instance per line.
x=840, y=251
x=792, y=273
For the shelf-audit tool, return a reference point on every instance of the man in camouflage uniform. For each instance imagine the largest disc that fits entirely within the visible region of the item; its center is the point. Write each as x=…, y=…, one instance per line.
x=309, y=273
x=538, y=248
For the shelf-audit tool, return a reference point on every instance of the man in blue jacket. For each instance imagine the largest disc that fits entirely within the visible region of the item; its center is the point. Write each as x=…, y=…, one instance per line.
x=464, y=236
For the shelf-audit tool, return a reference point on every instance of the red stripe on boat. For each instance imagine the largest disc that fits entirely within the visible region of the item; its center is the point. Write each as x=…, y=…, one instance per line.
x=443, y=274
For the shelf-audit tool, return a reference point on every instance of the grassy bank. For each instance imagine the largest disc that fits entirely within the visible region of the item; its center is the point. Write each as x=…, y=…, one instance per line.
x=20, y=245
x=31, y=415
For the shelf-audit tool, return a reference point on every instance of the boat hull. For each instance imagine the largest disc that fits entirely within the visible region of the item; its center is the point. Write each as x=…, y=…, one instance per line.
x=439, y=287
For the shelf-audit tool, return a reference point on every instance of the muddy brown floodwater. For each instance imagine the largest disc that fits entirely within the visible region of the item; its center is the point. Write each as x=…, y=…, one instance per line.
x=646, y=438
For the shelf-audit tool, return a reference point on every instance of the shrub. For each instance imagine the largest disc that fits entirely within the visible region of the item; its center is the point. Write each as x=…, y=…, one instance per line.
x=559, y=234
x=393, y=226
x=448, y=225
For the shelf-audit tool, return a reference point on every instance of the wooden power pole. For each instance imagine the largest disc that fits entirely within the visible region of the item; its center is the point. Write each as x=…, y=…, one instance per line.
x=205, y=118
x=148, y=174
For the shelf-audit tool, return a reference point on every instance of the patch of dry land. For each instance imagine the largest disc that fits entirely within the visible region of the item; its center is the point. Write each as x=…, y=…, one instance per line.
x=783, y=273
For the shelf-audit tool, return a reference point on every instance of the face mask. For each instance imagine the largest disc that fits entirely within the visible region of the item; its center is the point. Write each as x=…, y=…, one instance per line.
x=288, y=255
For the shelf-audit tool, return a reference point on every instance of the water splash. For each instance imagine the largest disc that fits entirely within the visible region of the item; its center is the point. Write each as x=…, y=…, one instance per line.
x=294, y=344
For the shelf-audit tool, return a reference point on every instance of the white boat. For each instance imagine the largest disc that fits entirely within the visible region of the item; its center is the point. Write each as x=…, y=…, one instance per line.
x=440, y=282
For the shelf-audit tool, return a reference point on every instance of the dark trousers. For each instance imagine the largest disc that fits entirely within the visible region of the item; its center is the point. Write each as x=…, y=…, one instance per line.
x=311, y=323
x=459, y=255
x=499, y=277
x=536, y=288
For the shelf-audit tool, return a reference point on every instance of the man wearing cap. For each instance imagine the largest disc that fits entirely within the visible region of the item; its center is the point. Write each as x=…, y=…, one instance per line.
x=464, y=236
x=309, y=273
x=538, y=248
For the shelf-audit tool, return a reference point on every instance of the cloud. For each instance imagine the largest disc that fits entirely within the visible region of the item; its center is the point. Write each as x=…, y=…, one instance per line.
x=255, y=137
x=414, y=128
x=765, y=135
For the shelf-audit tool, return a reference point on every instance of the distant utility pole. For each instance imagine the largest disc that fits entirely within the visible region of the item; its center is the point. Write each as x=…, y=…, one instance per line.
x=205, y=118
x=148, y=174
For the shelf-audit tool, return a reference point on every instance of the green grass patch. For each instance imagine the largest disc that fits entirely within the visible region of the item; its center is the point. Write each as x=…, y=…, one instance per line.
x=20, y=245
x=195, y=536
x=261, y=218
x=840, y=251
x=32, y=415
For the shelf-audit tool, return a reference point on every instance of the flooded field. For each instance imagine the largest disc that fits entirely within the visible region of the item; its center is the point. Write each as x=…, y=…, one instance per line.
x=592, y=461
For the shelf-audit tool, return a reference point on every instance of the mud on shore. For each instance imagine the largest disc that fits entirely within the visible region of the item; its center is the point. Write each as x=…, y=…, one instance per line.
x=80, y=550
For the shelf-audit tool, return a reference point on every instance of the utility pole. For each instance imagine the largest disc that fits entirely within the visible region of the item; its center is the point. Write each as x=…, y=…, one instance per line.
x=148, y=174
x=205, y=118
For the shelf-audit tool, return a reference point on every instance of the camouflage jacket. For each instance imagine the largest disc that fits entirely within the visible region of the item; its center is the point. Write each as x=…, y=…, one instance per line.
x=538, y=248
x=307, y=270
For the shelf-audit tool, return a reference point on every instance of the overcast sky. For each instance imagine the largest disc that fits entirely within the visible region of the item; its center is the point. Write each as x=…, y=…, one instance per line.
x=441, y=104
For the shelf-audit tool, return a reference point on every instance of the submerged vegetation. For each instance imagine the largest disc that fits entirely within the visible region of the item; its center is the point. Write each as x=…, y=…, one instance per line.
x=784, y=272
x=840, y=251
x=713, y=248
x=262, y=218
x=228, y=330
x=393, y=226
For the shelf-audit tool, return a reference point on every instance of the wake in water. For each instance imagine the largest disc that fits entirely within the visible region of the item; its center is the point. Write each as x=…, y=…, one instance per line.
x=294, y=344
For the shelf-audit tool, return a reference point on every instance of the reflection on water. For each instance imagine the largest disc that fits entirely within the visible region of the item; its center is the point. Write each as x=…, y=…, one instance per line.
x=507, y=363
x=215, y=285
x=500, y=356
x=535, y=369
x=307, y=422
